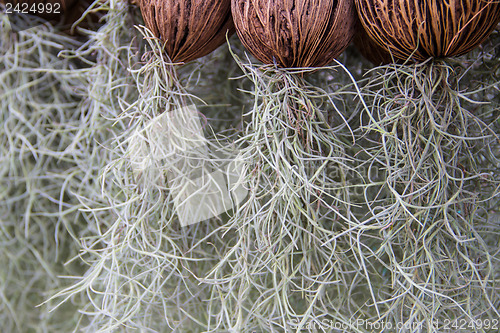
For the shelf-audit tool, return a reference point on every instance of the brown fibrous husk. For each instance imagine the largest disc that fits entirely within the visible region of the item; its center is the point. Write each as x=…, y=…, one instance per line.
x=295, y=33
x=189, y=29
x=420, y=30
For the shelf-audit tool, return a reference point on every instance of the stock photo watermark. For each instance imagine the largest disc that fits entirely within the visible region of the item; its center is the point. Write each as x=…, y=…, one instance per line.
x=171, y=149
x=26, y=14
x=447, y=325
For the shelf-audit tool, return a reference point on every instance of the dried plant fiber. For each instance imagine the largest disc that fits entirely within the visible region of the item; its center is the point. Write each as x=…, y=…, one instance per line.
x=420, y=30
x=295, y=33
x=190, y=29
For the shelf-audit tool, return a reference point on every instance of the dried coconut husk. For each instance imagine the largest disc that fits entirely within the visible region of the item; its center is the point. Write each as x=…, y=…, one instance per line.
x=290, y=33
x=423, y=29
x=189, y=29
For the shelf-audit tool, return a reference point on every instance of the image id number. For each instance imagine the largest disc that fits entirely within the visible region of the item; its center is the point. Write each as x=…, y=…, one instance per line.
x=36, y=8
x=467, y=325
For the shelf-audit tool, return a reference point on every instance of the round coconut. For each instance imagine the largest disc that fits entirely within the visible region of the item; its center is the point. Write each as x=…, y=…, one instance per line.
x=41, y=8
x=420, y=30
x=190, y=29
x=295, y=33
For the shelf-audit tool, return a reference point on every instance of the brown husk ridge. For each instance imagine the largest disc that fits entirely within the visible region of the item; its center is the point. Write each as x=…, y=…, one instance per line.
x=295, y=33
x=425, y=29
x=190, y=29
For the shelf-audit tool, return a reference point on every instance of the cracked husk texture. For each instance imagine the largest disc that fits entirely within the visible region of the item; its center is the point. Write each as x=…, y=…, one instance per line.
x=420, y=30
x=190, y=29
x=295, y=33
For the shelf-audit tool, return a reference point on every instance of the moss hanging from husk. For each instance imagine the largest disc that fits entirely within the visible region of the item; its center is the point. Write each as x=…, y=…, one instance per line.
x=425, y=143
